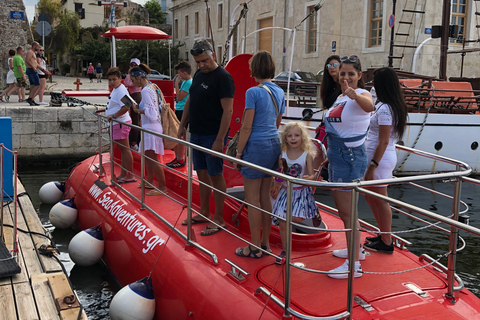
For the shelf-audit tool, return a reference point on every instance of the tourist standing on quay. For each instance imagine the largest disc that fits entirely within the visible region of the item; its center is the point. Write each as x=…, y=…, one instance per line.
x=42, y=74
x=19, y=69
x=90, y=72
x=184, y=74
x=259, y=144
x=387, y=125
x=116, y=109
x=10, y=78
x=208, y=110
x=347, y=123
x=98, y=71
x=31, y=62
x=135, y=93
x=149, y=109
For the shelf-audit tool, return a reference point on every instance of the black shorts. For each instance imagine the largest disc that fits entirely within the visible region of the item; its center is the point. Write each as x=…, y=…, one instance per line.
x=42, y=76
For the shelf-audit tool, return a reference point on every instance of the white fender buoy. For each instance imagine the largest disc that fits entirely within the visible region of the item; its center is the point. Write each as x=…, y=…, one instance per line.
x=134, y=301
x=51, y=192
x=63, y=214
x=86, y=248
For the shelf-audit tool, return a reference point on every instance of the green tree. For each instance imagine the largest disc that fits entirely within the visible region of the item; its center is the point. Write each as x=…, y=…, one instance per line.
x=95, y=50
x=155, y=13
x=51, y=8
x=158, y=54
x=65, y=33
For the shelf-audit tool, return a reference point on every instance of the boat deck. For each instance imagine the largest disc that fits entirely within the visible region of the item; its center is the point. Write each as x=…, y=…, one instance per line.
x=35, y=292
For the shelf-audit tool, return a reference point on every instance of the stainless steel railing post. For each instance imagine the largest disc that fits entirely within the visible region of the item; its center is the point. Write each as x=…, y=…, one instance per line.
x=100, y=160
x=112, y=171
x=189, y=191
x=288, y=249
x=353, y=247
x=142, y=168
x=457, y=187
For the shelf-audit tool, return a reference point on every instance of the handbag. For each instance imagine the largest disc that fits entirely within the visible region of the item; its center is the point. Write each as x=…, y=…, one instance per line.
x=168, y=119
x=233, y=143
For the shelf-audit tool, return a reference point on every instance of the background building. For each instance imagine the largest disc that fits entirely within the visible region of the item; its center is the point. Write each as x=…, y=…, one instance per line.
x=343, y=27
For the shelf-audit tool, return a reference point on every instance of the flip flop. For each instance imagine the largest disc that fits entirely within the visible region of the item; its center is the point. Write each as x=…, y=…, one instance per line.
x=147, y=186
x=208, y=231
x=185, y=222
x=251, y=253
x=156, y=193
x=267, y=248
x=121, y=181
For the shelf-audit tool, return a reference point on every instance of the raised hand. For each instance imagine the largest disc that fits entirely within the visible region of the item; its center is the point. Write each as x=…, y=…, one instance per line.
x=348, y=91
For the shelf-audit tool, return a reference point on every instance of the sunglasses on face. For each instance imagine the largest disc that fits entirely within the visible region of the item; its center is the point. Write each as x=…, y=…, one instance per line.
x=333, y=65
x=351, y=59
x=197, y=51
x=133, y=65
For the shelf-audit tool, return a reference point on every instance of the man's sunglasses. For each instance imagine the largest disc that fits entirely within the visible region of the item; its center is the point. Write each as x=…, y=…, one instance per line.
x=133, y=65
x=197, y=51
x=351, y=59
x=335, y=64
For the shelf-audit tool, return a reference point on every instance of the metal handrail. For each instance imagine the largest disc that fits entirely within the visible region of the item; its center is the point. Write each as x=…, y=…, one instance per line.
x=462, y=170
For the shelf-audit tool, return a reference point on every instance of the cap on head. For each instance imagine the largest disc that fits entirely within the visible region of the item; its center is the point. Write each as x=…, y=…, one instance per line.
x=136, y=61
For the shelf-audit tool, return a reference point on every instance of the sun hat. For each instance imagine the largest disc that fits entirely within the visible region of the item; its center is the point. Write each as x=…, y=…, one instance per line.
x=135, y=60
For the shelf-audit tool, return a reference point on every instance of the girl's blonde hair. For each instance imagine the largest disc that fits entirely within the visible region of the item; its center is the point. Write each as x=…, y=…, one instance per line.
x=306, y=143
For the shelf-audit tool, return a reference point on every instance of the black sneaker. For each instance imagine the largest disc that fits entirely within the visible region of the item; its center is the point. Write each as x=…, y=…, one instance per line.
x=34, y=103
x=30, y=102
x=379, y=246
x=374, y=239
x=176, y=164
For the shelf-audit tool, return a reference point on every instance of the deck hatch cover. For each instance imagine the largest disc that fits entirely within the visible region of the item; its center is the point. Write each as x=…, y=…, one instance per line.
x=362, y=303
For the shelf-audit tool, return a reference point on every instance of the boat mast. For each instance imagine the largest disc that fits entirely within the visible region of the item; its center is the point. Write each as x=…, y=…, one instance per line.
x=444, y=39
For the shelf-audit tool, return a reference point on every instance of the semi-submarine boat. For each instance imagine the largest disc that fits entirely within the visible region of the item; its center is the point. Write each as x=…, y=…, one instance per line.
x=188, y=276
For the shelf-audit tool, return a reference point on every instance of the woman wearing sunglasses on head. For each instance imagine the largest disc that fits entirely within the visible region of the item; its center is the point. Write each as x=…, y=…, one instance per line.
x=347, y=123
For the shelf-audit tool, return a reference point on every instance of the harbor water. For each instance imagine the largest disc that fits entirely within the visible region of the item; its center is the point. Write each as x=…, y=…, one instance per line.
x=96, y=287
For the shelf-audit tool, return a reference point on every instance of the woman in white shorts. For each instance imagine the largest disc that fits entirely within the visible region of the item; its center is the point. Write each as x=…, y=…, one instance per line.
x=387, y=125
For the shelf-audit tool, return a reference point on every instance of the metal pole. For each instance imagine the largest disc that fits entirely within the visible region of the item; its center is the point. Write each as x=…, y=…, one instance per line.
x=392, y=33
x=114, y=53
x=351, y=254
x=148, y=56
x=453, y=239
x=142, y=167
x=169, y=58
x=189, y=191
x=112, y=170
x=288, y=249
x=100, y=157
x=15, y=199
x=444, y=40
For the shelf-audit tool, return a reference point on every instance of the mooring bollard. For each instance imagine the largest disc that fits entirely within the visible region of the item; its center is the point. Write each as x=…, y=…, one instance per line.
x=78, y=83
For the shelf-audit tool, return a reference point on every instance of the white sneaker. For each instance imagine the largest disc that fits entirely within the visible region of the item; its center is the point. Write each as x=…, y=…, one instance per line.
x=42, y=102
x=344, y=268
x=134, y=147
x=343, y=253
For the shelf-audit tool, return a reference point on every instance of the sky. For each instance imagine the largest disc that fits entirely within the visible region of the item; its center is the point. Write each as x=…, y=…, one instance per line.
x=30, y=7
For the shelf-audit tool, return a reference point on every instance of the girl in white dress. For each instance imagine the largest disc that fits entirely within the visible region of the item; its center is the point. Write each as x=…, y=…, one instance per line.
x=387, y=125
x=10, y=78
x=149, y=110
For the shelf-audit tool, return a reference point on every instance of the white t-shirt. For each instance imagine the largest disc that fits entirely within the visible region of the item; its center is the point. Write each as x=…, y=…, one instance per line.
x=348, y=118
x=115, y=103
x=381, y=117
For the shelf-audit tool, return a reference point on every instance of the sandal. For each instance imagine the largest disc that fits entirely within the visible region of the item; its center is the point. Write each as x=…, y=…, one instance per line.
x=156, y=193
x=266, y=248
x=147, y=186
x=251, y=253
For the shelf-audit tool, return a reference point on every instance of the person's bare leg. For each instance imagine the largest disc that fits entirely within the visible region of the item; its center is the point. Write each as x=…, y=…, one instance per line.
x=156, y=170
x=33, y=92
x=266, y=205
x=43, y=86
x=218, y=182
x=382, y=213
x=252, y=197
x=343, y=200
x=127, y=159
x=205, y=193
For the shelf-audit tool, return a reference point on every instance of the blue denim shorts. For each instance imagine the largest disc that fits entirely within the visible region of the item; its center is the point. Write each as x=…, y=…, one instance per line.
x=264, y=153
x=205, y=161
x=346, y=164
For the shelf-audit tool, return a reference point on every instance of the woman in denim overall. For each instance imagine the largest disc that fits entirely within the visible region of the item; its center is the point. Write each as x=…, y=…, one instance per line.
x=346, y=123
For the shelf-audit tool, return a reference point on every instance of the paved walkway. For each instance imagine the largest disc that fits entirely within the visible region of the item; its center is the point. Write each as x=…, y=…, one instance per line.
x=61, y=83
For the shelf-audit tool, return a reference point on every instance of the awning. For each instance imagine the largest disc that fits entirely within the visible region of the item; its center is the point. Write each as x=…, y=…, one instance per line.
x=136, y=33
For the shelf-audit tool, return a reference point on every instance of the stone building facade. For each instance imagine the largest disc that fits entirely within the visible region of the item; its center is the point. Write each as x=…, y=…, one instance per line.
x=345, y=27
x=18, y=32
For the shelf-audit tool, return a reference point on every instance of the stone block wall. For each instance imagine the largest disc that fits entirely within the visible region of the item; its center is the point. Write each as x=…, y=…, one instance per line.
x=52, y=132
x=18, y=31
